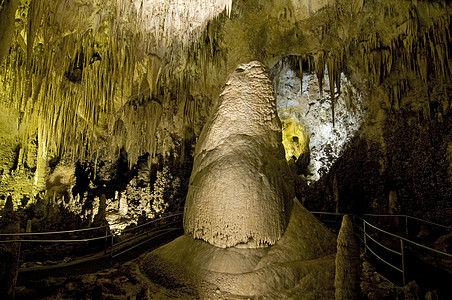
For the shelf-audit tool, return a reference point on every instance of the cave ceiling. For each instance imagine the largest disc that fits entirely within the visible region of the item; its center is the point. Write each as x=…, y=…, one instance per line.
x=97, y=76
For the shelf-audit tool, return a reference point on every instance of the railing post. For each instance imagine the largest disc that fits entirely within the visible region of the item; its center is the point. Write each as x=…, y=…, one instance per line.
x=106, y=239
x=111, y=250
x=402, y=252
x=18, y=262
x=406, y=224
x=364, y=239
x=18, y=255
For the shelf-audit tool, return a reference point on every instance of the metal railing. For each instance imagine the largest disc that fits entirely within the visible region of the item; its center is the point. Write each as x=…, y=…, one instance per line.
x=141, y=232
x=131, y=238
x=365, y=236
x=115, y=244
x=407, y=218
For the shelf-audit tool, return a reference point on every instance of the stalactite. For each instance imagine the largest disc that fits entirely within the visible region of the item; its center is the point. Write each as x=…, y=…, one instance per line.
x=300, y=66
x=128, y=35
x=415, y=49
x=41, y=163
x=357, y=5
x=332, y=70
x=154, y=34
x=319, y=60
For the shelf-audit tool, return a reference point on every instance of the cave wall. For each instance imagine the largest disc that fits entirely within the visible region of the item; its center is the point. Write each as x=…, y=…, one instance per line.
x=405, y=171
x=399, y=162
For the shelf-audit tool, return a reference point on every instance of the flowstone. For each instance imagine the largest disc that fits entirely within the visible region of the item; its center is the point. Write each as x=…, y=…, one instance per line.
x=240, y=199
x=301, y=265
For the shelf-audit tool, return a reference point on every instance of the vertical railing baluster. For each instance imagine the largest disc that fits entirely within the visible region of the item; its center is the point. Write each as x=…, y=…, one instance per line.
x=402, y=252
x=406, y=224
x=106, y=239
x=111, y=250
x=364, y=229
x=18, y=262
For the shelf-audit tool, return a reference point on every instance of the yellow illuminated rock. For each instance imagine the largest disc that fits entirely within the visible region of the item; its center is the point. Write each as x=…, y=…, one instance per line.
x=294, y=139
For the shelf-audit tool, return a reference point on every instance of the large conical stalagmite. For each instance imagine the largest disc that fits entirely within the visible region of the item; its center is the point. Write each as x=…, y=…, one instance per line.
x=240, y=199
x=240, y=188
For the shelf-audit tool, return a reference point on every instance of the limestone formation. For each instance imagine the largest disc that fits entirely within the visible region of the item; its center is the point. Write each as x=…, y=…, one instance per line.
x=9, y=252
x=240, y=189
x=81, y=81
x=100, y=217
x=93, y=80
x=346, y=281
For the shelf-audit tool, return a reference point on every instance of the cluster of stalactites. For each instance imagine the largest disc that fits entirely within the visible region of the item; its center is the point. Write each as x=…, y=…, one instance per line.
x=421, y=51
x=78, y=68
x=318, y=62
x=392, y=60
x=178, y=20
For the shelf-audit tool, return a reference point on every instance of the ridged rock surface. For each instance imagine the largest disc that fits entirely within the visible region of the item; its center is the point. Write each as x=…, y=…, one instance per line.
x=240, y=189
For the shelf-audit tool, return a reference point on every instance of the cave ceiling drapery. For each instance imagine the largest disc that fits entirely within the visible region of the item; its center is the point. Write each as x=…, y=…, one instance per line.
x=92, y=76
x=71, y=62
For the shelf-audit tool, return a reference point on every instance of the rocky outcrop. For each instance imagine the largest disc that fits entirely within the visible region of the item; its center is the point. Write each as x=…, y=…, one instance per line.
x=240, y=189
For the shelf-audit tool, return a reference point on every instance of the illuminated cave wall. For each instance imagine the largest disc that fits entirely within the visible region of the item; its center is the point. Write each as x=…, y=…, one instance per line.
x=94, y=83
x=307, y=116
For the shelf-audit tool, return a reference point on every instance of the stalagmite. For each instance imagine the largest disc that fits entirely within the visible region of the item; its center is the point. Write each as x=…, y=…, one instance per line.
x=240, y=189
x=346, y=279
x=9, y=252
x=245, y=233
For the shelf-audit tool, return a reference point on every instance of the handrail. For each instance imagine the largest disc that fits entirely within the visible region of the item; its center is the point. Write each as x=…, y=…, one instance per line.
x=383, y=260
x=150, y=222
x=114, y=245
x=136, y=245
x=327, y=213
x=54, y=232
x=406, y=239
x=144, y=233
x=425, y=221
x=79, y=230
x=381, y=245
x=411, y=217
x=366, y=237
x=382, y=215
x=58, y=241
x=159, y=230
